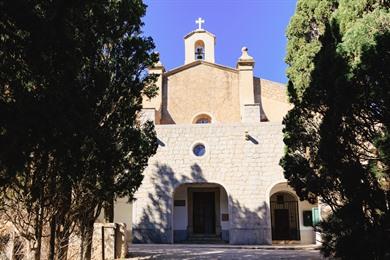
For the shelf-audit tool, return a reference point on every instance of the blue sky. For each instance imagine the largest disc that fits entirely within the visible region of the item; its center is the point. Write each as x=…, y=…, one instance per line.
x=259, y=25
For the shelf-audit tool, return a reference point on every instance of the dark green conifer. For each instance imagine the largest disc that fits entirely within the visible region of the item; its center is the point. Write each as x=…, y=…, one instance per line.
x=337, y=134
x=72, y=78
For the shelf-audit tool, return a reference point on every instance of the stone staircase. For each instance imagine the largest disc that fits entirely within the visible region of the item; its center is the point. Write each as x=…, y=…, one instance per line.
x=204, y=239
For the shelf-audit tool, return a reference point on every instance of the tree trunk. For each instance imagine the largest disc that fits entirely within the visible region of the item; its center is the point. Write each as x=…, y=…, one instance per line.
x=86, y=236
x=109, y=211
x=82, y=239
x=63, y=234
x=53, y=221
x=64, y=224
x=53, y=233
x=39, y=226
x=88, y=241
x=37, y=253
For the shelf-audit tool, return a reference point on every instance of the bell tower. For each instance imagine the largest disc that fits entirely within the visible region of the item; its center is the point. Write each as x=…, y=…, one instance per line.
x=199, y=44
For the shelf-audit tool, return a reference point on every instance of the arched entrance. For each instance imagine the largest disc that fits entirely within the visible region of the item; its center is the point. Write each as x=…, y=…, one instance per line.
x=284, y=216
x=200, y=213
x=291, y=220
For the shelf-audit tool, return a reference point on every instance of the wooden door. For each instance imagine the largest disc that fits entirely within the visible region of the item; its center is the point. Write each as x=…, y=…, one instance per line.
x=204, y=212
x=282, y=224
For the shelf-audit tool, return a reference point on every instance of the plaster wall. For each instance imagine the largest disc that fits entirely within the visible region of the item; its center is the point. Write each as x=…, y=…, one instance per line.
x=201, y=89
x=272, y=97
x=123, y=212
x=245, y=86
x=274, y=110
x=180, y=217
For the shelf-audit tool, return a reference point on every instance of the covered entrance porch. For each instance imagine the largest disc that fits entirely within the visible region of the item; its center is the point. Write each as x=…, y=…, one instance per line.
x=200, y=213
x=292, y=220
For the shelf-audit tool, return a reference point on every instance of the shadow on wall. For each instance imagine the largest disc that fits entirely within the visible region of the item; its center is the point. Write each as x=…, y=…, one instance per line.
x=166, y=117
x=249, y=226
x=155, y=226
x=257, y=93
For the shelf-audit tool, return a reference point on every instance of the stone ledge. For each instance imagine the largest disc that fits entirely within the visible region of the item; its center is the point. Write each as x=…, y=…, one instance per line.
x=219, y=125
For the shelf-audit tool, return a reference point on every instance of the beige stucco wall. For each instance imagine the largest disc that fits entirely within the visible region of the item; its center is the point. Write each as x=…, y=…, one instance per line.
x=273, y=100
x=274, y=110
x=206, y=88
x=201, y=89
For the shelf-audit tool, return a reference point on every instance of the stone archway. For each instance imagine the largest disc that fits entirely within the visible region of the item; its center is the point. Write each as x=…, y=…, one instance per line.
x=200, y=213
x=302, y=214
x=284, y=216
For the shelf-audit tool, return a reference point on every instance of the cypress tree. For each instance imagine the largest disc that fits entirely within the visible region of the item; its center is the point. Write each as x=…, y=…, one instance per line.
x=337, y=134
x=72, y=79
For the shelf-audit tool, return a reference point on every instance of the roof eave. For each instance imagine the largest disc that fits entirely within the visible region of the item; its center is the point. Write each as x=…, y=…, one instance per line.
x=196, y=63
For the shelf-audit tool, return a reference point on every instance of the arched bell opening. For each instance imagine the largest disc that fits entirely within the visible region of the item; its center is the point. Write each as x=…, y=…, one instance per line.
x=199, y=50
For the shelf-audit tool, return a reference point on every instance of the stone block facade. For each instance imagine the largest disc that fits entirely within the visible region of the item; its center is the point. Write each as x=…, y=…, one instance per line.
x=246, y=167
x=251, y=113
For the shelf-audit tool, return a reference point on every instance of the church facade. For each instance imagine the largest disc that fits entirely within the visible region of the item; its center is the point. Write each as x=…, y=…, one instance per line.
x=216, y=173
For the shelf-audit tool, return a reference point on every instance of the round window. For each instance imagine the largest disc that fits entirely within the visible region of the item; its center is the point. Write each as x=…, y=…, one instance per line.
x=199, y=150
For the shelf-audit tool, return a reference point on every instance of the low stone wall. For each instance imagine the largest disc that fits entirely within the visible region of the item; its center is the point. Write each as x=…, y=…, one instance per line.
x=12, y=244
x=108, y=242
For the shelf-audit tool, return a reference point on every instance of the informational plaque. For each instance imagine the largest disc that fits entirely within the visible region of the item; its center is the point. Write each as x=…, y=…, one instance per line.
x=179, y=203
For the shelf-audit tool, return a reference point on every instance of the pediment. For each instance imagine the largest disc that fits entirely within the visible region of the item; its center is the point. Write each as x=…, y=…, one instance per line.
x=198, y=63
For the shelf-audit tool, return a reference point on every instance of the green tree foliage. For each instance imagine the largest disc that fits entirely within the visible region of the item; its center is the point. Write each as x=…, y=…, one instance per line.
x=337, y=135
x=72, y=78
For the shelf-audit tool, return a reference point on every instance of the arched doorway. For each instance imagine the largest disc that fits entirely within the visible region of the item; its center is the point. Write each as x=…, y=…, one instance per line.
x=200, y=213
x=284, y=216
x=291, y=220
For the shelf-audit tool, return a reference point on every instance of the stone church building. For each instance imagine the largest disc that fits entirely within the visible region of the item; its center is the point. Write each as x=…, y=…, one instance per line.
x=216, y=174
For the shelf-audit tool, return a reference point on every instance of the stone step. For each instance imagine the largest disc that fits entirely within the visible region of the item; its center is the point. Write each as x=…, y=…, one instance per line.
x=214, y=242
x=203, y=236
x=204, y=239
x=286, y=242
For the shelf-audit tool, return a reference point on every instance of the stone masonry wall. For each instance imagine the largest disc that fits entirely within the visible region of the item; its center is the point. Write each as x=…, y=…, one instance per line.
x=251, y=113
x=247, y=169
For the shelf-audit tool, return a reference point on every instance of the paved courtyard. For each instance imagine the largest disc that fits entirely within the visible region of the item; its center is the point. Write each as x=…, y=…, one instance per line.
x=150, y=251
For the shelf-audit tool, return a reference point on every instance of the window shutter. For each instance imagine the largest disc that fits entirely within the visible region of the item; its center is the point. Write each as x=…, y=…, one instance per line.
x=315, y=216
x=307, y=218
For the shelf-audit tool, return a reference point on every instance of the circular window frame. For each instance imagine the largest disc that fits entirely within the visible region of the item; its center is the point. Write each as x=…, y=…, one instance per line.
x=193, y=147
